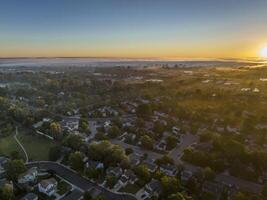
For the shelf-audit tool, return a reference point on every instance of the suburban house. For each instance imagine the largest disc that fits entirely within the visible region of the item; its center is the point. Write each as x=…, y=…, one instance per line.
x=127, y=177
x=186, y=175
x=90, y=164
x=168, y=169
x=48, y=186
x=114, y=171
x=162, y=145
x=134, y=159
x=150, y=165
x=28, y=176
x=153, y=188
x=3, y=161
x=30, y=196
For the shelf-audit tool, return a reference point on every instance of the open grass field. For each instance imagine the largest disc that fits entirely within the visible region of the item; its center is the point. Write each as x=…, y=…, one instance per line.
x=8, y=144
x=37, y=147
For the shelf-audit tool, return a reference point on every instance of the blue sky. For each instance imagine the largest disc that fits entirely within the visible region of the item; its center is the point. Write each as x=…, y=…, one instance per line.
x=140, y=28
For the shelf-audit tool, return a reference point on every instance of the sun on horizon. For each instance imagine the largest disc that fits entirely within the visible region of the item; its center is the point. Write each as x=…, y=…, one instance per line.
x=263, y=52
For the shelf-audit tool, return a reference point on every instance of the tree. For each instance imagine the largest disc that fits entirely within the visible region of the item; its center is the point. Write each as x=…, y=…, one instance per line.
x=264, y=192
x=76, y=161
x=209, y=174
x=142, y=172
x=179, y=196
x=15, y=155
x=128, y=151
x=144, y=110
x=164, y=160
x=171, y=141
x=7, y=193
x=14, y=168
x=147, y=142
x=111, y=181
x=114, y=131
x=107, y=153
x=73, y=141
x=170, y=185
x=87, y=196
x=83, y=125
x=54, y=153
x=241, y=196
x=55, y=129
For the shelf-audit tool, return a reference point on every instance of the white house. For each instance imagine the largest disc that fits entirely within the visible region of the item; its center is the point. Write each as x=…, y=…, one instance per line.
x=48, y=186
x=28, y=176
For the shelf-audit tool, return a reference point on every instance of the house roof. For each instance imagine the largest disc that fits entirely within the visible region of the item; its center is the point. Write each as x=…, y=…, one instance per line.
x=154, y=185
x=93, y=164
x=150, y=165
x=115, y=170
x=30, y=171
x=46, y=182
x=30, y=196
x=168, y=167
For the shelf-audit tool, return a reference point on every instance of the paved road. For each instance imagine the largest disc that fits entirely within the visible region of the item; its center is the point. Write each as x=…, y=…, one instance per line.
x=21, y=146
x=137, y=149
x=78, y=180
x=186, y=141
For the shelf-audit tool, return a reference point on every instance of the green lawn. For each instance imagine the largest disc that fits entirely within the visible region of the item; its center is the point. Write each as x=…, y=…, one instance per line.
x=130, y=188
x=8, y=144
x=63, y=187
x=37, y=147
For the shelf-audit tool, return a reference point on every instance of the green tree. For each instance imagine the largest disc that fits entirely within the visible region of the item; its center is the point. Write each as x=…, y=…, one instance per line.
x=264, y=192
x=7, y=193
x=241, y=196
x=87, y=196
x=179, y=196
x=55, y=129
x=209, y=174
x=142, y=172
x=73, y=141
x=144, y=110
x=76, y=161
x=114, y=131
x=111, y=181
x=147, y=142
x=171, y=141
x=170, y=185
x=83, y=125
x=14, y=168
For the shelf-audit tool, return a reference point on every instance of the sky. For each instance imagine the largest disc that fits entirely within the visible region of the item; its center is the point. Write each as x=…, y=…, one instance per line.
x=133, y=28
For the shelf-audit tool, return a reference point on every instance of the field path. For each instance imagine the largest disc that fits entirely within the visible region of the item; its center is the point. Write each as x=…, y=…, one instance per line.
x=22, y=147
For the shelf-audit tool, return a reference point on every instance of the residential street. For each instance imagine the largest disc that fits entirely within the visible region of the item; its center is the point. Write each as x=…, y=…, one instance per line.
x=77, y=180
x=176, y=154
